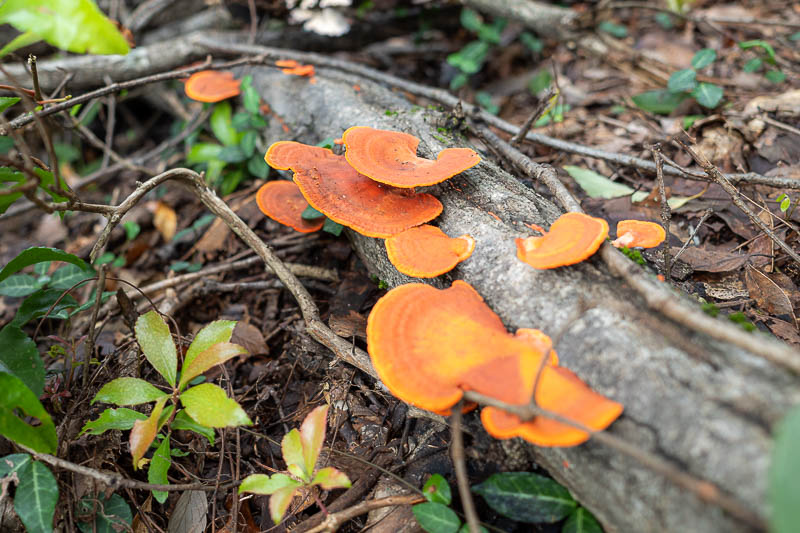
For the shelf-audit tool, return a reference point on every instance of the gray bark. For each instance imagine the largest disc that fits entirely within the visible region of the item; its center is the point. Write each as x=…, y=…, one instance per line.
x=704, y=405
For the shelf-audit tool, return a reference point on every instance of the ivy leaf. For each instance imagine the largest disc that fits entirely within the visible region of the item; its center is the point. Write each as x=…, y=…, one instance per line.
x=18, y=401
x=120, y=419
x=112, y=515
x=36, y=497
x=526, y=497
x=436, y=517
x=330, y=478
x=36, y=255
x=143, y=433
x=210, y=406
x=704, y=57
x=19, y=285
x=682, y=80
x=581, y=521
x=51, y=302
x=67, y=276
x=708, y=95
x=215, y=355
x=128, y=391
x=157, y=471
x=215, y=332
x=156, y=343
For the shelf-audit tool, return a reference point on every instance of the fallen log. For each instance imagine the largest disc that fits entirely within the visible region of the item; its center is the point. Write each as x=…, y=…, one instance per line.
x=702, y=404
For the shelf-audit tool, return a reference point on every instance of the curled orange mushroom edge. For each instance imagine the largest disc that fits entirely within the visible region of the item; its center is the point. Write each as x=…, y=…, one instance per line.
x=390, y=157
x=429, y=345
x=332, y=187
x=426, y=251
x=572, y=238
x=211, y=86
x=283, y=202
x=639, y=234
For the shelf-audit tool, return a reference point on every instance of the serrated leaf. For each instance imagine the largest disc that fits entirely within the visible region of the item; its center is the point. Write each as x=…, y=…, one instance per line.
x=784, y=475
x=279, y=502
x=20, y=358
x=264, y=484
x=120, y=419
x=51, y=302
x=157, y=470
x=19, y=285
x=156, y=343
x=67, y=276
x=111, y=516
x=312, y=435
x=128, y=391
x=210, y=406
x=437, y=490
x=330, y=478
x=581, y=521
x=659, y=101
x=36, y=497
x=213, y=333
x=704, y=57
x=17, y=400
x=708, y=95
x=292, y=451
x=215, y=355
x=526, y=497
x=682, y=80
x=143, y=433
x=436, y=518
x=37, y=255
x=183, y=421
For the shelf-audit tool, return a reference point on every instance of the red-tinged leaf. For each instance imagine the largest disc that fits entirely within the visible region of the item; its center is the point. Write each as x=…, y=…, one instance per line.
x=264, y=484
x=279, y=502
x=156, y=343
x=214, y=355
x=330, y=478
x=208, y=405
x=143, y=433
x=215, y=332
x=312, y=434
x=292, y=449
x=128, y=391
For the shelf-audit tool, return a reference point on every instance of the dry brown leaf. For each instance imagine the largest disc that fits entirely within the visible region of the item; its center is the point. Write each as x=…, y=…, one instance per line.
x=249, y=337
x=165, y=220
x=709, y=260
x=189, y=515
x=769, y=296
x=784, y=330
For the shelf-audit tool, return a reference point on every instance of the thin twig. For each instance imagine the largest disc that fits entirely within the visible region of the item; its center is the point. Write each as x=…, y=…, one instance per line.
x=98, y=298
x=707, y=213
x=666, y=213
x=336, y=520
x=544, y=104
x=460, y=467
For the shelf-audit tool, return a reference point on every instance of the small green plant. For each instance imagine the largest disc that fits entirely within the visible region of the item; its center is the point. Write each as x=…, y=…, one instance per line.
x=205, y=406
x=300, y=451
x=784, y=203
x=765, y=55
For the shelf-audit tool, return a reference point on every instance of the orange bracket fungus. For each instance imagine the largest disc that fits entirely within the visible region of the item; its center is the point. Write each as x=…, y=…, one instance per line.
x=572, y=238
x=426, y=251
x=333, y=187
x=639, y=233
x=211, y=86
x=390, y=157
x=283, y=202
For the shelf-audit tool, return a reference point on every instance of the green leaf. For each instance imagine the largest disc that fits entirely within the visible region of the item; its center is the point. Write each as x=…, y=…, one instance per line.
x=534, y=44
x=330, y=478
x=215, y=355
x=257, y=167
x=128, y=391
x=143, y=433
x=752, y=65
x=664, y=20
x=263, y=484
x=120, y=419
x=775, y=76
x=67, y=276
x=36, y=497
x=23, y=39
x=707, y=95
x=484, y=99
x=16, y=400
x=20, y=358
x=292, y=451
x=210, y=406
x=6, y=144
x=183, y=421
x=785, y=203
x=595, y=185
x=470, y=19
x=659, y=101
x=526, y=497
x=112, y=516
x=157, y=470
x=436, y=518
x=132, y=229
x=250, y=97
x=6, y=200
x=465, y=529
x=764, y=45
x=53, y=302
x=248, y=143
x=310, y=214
x=36, y=255
x=74, y=25
x=15, y=462
x=156, y=343
x=540, y=81
x=19, y=285
x=222, y=126
x=611, y=28
x=8, y=101
x=279, y=502
x=334, y=228
x=470, y=58
x=213, y=333
x=232, y=154
x=312, y=435
x=437, y=490
x=682, y=80
x=703, y=58
x=581, y=521
x=784, y=475
x=203, y=153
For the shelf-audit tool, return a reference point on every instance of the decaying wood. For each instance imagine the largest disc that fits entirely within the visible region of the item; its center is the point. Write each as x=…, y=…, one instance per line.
x=701, y=404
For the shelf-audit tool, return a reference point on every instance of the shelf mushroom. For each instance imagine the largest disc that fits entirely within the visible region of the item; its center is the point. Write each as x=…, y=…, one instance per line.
x=211, y=86
x=283, y=202
x=390, y=157
x=331, y=186
x=426, y=251
x=572, y=238
x=639, y=233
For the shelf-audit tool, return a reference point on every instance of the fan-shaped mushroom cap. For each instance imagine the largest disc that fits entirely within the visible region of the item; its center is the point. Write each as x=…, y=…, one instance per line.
x=572, y=238
x=390, y=157
x=639, y=233
x=426, y=251
x=334, y=188
x=562, y=392
x=283, y=202
x=211, y=86
x=540, y=341
x=428, y=345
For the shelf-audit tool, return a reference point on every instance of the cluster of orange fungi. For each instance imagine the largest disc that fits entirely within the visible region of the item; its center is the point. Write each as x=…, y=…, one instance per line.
x=429, y=345
x=216, y=85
